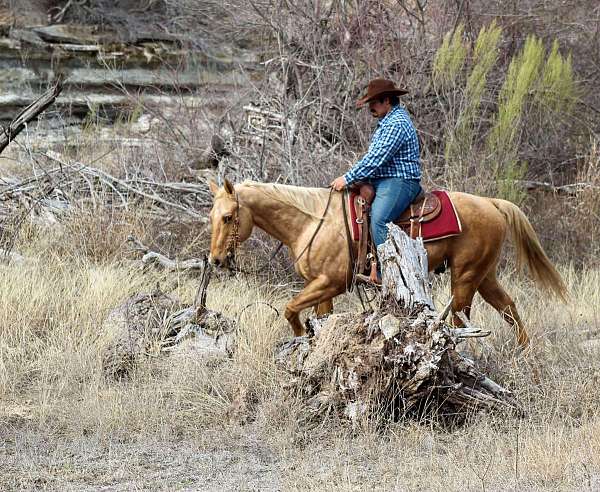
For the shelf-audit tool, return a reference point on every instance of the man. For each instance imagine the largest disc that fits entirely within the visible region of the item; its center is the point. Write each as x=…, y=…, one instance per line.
x=391, y=164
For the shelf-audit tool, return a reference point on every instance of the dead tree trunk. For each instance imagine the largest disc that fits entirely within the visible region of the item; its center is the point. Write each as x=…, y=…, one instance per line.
x=29, y=113
x=397, y=361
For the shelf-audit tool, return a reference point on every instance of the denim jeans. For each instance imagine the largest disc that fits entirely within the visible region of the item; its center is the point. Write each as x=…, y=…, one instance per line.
x=392, y=197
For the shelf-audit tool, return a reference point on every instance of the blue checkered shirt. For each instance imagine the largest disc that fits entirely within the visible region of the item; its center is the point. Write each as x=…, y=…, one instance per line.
x=393, y=153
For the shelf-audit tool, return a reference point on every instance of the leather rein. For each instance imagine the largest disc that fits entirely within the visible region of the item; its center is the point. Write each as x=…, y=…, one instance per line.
x=321, y=220
x=233, y=241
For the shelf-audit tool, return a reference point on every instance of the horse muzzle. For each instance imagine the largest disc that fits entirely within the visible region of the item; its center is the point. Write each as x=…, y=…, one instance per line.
x=222, y=261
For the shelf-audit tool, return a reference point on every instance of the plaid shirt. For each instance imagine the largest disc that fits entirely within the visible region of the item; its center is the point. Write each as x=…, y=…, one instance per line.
x=393, y=153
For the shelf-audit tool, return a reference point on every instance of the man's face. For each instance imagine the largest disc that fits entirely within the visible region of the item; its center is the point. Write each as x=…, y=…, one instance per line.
x=379, y=109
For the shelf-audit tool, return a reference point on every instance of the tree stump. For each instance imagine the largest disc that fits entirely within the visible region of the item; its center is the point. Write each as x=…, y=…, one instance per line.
x=398, y=361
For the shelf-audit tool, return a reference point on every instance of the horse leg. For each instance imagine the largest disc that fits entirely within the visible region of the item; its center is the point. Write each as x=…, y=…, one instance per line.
x=463, y=285
x=316, y=291
x=462, y=298
x=324, y=307
x=496, y=296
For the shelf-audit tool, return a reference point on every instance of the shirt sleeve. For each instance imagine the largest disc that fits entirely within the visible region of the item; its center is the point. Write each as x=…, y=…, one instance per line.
x=382, y=148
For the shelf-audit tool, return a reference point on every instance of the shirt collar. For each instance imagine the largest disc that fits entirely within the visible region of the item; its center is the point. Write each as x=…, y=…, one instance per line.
x=389, y=115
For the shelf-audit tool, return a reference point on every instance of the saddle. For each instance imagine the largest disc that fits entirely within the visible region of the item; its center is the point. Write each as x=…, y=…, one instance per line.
x=424, y=208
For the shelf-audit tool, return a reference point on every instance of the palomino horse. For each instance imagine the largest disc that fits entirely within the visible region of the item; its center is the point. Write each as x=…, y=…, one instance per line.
x=292, y=215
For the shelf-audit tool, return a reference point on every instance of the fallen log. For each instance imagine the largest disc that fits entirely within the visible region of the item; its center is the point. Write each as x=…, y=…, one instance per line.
x=154, y=258
x=400, y=360
x=571, y=189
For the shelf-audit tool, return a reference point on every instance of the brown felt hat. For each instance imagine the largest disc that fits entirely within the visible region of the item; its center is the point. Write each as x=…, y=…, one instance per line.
x=378, y=88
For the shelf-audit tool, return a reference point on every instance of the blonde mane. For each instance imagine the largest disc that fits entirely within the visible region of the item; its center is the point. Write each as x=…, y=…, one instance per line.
x=311, y=201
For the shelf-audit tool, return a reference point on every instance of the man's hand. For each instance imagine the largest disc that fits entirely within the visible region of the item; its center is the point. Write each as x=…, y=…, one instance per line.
x=338, y=183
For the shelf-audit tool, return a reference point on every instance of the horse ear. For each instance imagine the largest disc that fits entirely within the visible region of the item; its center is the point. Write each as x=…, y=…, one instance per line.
x=228, y=187
x=214, y=187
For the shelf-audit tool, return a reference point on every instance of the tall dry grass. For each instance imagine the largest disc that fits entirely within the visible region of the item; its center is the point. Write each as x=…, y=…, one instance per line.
x=52, y=389
x=51, y=383
x=52, y=309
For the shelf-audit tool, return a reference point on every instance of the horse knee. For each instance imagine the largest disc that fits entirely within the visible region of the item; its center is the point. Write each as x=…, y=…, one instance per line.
x=290, y=314
x=293, y=319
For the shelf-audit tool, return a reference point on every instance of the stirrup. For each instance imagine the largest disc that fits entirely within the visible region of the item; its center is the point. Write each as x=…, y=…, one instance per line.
x=365, y=279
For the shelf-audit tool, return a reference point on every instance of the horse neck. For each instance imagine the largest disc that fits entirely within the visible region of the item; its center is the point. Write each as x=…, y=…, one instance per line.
x=282, y=221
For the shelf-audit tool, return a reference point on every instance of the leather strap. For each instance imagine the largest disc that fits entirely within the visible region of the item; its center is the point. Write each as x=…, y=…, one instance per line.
x=345, y=217
x=317, y=229
x=363, y=243
x=345, y=194
x=416, y=221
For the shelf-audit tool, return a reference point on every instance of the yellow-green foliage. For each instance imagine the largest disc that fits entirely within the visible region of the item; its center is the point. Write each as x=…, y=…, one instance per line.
x=459, y=139
x=485, y=56
x=521, y=79
x=536, y=86
x=450, y=58
x=548, y=87
x=557, y=90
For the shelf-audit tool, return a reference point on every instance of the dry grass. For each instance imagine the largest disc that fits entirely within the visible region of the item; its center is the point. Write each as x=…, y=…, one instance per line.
x=58, y=408
x=180, y=422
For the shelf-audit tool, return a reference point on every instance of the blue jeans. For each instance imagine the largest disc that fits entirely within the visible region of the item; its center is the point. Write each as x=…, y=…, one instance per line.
x=392, y=197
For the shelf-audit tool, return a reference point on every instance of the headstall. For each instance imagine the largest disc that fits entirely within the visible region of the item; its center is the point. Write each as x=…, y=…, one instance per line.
x=233, y=241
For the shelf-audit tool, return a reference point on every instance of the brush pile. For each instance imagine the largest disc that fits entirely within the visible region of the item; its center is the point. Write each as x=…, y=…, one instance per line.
x=148, y=324
x=400, y=360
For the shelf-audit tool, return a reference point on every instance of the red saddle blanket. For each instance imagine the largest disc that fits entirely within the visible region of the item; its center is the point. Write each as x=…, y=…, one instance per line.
x=446, y=224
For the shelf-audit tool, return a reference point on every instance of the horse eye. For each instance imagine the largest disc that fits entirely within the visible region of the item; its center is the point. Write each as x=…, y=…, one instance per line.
x=227, y=219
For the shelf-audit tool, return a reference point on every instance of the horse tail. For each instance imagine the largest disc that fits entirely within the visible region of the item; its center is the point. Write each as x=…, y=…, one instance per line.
x=529, y=249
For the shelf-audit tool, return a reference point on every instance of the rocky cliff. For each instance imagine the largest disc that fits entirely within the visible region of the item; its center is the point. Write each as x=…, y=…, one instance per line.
x=102, y=69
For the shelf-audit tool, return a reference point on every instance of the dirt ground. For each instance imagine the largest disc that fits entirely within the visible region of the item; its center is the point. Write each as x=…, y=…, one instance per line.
x=31, y=462
x=240, y=460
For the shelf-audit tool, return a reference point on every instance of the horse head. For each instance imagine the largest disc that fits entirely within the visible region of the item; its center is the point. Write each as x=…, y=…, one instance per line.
x=231, y=224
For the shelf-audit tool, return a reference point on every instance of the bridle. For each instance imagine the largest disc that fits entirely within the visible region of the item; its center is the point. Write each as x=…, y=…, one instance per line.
x=233, y=240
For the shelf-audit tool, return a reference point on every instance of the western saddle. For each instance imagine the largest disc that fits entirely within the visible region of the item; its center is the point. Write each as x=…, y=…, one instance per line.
x=424, y=208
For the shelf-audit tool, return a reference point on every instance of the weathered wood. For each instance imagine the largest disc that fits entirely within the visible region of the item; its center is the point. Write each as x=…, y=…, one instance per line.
x=147, y=324
x=398, y=361
x=116, y=183
x=153, y=258
x=200, y=299
x=468, y=331
x=29, y=114
x=54, y=193
x=405, y=271
x=571, y=189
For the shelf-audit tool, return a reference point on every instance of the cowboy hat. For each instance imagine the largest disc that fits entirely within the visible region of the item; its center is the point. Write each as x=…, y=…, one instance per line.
x=378, y=88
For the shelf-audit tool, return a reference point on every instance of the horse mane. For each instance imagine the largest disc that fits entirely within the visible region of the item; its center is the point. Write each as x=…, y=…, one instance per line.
x=311, y=201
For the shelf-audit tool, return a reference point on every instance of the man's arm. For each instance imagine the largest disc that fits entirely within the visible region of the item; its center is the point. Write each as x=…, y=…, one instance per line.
x=380, y=151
